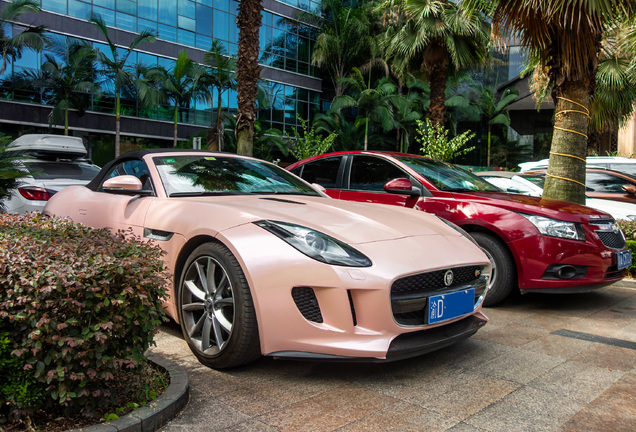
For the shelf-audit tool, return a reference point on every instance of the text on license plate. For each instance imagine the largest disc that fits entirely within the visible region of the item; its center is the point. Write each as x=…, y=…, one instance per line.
x=452, y=305
x=623, y=259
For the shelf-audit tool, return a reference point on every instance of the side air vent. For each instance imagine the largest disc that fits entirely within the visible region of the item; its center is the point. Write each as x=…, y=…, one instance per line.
x=307, y=303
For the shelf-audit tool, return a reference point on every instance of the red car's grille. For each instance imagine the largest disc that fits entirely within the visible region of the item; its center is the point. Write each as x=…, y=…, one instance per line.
x=612, y=239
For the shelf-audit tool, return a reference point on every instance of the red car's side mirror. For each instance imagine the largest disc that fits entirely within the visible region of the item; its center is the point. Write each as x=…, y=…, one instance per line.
x=400, y=186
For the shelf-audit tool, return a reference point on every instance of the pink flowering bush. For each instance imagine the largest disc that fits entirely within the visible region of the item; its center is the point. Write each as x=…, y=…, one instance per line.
x=77, y=305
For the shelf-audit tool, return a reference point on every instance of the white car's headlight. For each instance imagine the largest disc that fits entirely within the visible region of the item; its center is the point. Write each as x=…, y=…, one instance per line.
x=556, y=228
x=316, y=245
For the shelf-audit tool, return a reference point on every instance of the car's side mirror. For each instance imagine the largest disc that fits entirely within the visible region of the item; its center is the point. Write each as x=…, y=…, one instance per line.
x=125, y=185
x=319, y=187
x=630, y=189
x=401, y=186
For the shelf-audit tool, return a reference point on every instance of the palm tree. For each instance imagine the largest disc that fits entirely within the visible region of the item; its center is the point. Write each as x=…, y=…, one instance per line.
x=566, y=38
x=69, y=85
x=344, y=41
x=31, y=37
x=180, y=86
x=221, y=75
x=373, y=103
x=248, y=73
x=494, y=112
x=116, y=69
x=438, y=38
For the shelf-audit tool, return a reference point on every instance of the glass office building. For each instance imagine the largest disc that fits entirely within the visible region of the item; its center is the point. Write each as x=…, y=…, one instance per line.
x=286, y=44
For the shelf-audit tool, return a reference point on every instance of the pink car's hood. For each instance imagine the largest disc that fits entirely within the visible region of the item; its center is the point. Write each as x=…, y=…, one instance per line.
x=347, y=221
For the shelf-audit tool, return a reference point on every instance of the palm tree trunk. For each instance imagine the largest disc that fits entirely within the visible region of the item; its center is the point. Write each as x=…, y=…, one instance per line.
x=175, y=120
x=566, y=170
x=488, y=152
x=117, y=124
x=437, y=70
x=248, y=73
x=66, y=121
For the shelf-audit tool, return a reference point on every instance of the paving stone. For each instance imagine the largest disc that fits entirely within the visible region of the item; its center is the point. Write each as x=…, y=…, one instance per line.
x=520, y=365
x=607, y=356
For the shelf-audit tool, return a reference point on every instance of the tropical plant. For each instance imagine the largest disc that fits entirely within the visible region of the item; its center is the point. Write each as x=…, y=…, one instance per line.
x=493, y=111
x=31, y=37
x=182, y=85
x=438, y=38
x=349, y=137
x=248, y=73
x=344, y=41
x=372, y=103
x=309, y=143
x=115, y=67
x=566, y=38
x=220, y=74
x=70, y=84
x=433, y=137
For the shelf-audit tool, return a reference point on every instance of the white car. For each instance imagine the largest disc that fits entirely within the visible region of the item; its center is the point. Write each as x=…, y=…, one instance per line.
x=53, y=163
x=532, y=185
x=616, y=163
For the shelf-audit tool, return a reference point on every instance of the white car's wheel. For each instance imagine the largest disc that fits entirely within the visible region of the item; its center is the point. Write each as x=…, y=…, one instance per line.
x=216, y=310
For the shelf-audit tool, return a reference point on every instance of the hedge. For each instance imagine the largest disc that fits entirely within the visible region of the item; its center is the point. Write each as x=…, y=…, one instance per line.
x=77, y=305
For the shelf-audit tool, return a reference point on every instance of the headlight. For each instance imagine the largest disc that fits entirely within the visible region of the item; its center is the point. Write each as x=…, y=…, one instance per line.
x=316, y=245
x=556, y=228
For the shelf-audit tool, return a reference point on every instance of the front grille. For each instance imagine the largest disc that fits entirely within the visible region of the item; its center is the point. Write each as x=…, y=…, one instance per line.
x=409, y=295
x=307, y=303
x=612, y=239
x=434, y=281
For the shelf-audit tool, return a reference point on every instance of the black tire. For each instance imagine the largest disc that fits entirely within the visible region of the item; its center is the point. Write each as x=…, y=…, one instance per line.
x=219, y=321
x=504, y=271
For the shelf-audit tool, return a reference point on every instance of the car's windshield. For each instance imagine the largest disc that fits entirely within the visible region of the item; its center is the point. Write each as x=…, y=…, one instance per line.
x=51, y=170
x=447, y=177
x=191, y=175
x=537, y=180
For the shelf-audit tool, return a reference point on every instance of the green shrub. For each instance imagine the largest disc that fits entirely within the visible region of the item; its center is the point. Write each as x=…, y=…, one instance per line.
x=628, y=227
x=631, y=270
x=77, y=305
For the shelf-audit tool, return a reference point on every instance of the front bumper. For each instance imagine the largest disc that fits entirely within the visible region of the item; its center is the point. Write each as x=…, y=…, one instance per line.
x=540, y=257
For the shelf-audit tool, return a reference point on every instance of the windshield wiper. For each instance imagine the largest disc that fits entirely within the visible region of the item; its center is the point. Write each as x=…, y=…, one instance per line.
x=204, y=193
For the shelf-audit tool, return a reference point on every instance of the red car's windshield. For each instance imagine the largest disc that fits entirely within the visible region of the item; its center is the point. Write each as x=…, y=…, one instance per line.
x=192, y=175
x=448, y=177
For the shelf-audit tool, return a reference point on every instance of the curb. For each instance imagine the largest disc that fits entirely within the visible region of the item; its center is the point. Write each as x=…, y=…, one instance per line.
x=157, y=413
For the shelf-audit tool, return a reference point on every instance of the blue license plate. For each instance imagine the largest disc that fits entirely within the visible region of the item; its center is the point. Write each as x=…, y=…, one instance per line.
x=452, y=305
x=623, y=259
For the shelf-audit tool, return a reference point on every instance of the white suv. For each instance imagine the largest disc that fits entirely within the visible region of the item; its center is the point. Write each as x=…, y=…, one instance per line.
x=53, y=163
x=617, y=163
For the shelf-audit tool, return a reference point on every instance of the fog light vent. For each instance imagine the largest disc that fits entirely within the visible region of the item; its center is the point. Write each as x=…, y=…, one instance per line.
x=307, y=303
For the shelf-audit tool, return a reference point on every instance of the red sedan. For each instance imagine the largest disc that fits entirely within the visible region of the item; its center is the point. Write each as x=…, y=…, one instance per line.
x=535, y=244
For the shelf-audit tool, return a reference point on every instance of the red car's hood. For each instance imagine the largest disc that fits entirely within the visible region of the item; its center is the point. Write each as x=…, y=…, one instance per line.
x=547, y=207
x=348, y=221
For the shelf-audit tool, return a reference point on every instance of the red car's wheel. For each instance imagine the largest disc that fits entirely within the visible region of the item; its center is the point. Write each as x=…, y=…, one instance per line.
x=504, y=272
x=216, y=309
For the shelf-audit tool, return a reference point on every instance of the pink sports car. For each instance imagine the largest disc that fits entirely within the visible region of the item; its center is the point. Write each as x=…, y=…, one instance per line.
x=264, y=263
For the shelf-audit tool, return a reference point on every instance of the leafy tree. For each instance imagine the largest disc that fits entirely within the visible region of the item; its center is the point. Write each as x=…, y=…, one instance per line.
x=433, y=137
x=31, y=37
x=70, y=84
x=309, y=144
x=566, y=38
x=115, y=67
x=181, y=85
x=221, y=75
x=248, y=72
x=438, y=38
